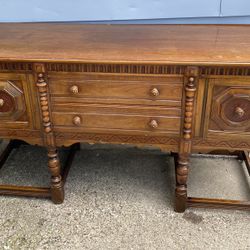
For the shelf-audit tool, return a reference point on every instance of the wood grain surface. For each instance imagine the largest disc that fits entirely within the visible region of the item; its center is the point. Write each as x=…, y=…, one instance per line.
x=180, y=44
x=182, y=88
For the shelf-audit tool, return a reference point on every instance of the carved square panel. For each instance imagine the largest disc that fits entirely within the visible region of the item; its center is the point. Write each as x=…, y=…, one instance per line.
x=230, y=108
x=12, y=104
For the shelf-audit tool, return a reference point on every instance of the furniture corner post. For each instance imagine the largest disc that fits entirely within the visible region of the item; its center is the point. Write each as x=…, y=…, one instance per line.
x=57, y=189
x=185, y=146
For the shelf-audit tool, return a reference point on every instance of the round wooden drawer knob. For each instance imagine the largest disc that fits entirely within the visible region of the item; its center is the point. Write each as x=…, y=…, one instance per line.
x=155, y=92
x=1, y=102
x=153, y=124
x=74, y=89
x=191, y=79
x=77, y=120
x=239, y=111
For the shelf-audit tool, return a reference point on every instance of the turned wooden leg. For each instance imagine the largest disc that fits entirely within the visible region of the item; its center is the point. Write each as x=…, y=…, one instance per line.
x=181, y=183
x=57, y=189
x=185, y=147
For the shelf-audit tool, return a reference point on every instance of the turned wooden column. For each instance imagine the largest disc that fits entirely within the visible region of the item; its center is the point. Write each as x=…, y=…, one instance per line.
x=57, y=191
x=186, y=139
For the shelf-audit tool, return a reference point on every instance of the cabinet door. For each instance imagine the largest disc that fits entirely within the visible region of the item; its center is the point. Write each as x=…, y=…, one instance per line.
x=15, y=101
x=228, y=108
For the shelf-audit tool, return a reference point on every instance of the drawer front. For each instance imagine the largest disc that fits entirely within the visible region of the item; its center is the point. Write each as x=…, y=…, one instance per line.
x=116, y=89
x=137, y=119
x=228, y=107
x=108, y=102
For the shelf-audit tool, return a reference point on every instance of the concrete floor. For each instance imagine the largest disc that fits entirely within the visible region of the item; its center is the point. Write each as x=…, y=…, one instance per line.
x=122, y=198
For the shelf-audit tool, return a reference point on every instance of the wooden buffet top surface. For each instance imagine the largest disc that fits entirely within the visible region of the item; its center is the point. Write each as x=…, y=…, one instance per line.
x=177, y=44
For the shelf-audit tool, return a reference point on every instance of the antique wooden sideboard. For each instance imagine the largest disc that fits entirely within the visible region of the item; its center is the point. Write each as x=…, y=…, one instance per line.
x=182, y=88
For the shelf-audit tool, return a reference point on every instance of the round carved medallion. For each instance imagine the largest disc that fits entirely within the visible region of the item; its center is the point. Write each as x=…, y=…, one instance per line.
x=7, y=102
x=237, y=110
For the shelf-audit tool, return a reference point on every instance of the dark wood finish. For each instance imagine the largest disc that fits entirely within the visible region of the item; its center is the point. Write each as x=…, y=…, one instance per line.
x=57, y=191
x=103, y=120
x=229, y=106
x=7, y=102
x=182, y=88
x=116, y=88
x=35, y=191
x=218, y=203
x=24, y=191
x=182, y=44
x=186, y=139
x=184, y=201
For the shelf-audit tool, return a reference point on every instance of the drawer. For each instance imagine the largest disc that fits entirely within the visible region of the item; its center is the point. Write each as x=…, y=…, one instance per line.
x=116, y=89
x=135, y=119
x=228, y=107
